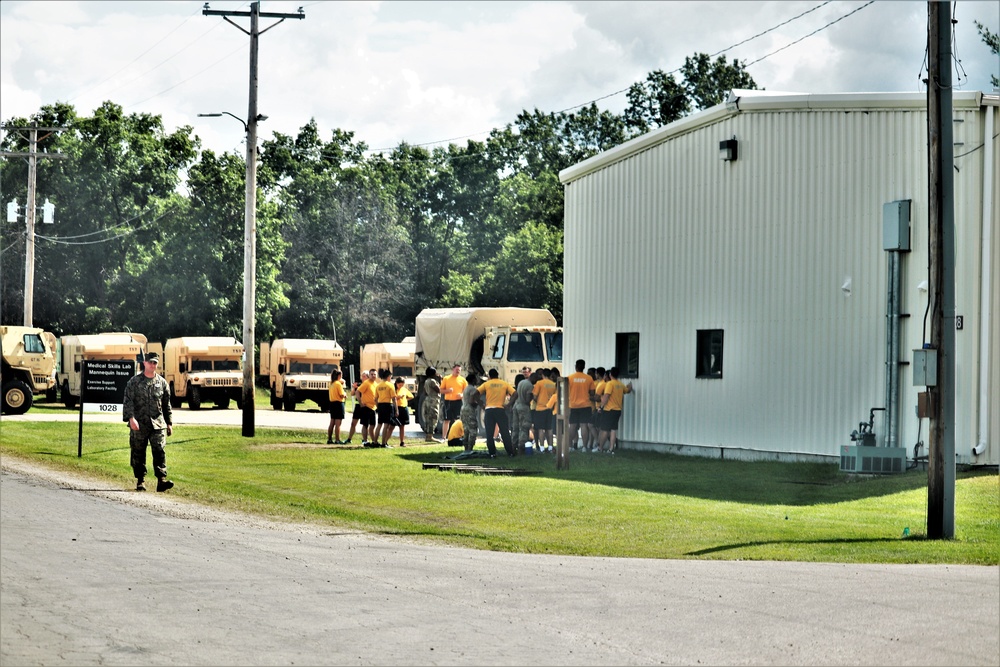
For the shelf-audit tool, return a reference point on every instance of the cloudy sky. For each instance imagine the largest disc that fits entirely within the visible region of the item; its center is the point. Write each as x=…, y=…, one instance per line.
x=429, y=72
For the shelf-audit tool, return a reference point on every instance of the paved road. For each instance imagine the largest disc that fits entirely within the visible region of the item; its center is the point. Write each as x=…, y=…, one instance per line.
x=91, y=574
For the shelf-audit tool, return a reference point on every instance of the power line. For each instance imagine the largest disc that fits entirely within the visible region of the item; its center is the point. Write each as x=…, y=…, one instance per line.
x=673, y=71
x=134, y=60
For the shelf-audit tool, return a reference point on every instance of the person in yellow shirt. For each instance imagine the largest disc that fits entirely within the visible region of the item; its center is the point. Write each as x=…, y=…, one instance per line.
x=403, y=398
x=366, y=396
x=385, y=408
x=611, y=405
x=452, y=387
x=597, y=415
x=356, y=413
x=456, y=434
x=581, y=402
x=496, y=392
x=338, y=395
x=541, y=416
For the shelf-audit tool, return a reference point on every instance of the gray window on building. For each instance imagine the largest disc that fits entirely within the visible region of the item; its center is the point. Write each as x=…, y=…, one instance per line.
x=627, y=354
x=709, y=351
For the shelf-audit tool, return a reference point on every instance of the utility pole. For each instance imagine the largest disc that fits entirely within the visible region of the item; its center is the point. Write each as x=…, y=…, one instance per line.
x=250, y=226
x=29, y=209
x=941, y=228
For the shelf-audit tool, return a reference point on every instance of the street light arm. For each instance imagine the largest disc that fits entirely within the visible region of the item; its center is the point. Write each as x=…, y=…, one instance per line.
x=246, y=128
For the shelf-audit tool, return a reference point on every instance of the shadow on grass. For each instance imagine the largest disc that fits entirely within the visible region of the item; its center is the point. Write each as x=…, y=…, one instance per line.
x=766, y=543
x=754, y=482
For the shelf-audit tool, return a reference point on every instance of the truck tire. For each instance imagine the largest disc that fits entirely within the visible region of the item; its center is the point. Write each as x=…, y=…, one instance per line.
x=275, y=401
x=69, y=400
x=52, y=394
x=289, y=400
x=324, y=403
x=238, y=397
x=194, y=397
x=175, y=401
x=222, y=403
x=17, y=397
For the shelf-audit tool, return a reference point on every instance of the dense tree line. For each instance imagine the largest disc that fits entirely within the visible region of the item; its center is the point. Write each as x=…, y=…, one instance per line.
x=149, y=233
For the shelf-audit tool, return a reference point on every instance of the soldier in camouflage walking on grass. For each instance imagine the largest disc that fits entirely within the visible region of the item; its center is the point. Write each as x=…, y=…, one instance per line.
x=150, y=420
x=430, y=405
x=470, y=411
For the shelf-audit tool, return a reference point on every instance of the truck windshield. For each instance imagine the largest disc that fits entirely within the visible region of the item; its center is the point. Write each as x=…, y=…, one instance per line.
x=402, y=371
x=553, y=344
x=308, y=367
x=217, y=365
x=33, y=344
x=525, y=346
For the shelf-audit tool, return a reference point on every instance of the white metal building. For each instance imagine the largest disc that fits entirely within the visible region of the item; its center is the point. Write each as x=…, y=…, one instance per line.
x=750, y=294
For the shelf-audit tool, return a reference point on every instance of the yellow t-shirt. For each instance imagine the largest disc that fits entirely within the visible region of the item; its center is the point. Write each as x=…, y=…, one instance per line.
x=457, y=384
x=598, y=392
x=553, y=403
x=367, y=392
x=496, y=392
x=403, y=396
x=336, y=391
x=580, y=386
x=385, y=392
x=456, y=430
x=615, y=391
x=543, y=390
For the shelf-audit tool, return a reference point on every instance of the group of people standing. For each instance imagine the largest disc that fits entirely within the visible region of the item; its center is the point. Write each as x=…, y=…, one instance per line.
x=521, y=415
x=381, y=404
x=524, y=414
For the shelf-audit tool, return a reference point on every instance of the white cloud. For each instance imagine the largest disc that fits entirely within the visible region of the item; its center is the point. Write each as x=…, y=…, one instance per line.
x=426, y=71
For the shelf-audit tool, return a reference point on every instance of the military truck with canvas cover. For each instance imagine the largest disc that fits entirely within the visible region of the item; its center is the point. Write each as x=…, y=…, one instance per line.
x=397, y=357
x=27, y=366
x=479, y=339
x=73, y=350
x=203, y=369
x=298, y=369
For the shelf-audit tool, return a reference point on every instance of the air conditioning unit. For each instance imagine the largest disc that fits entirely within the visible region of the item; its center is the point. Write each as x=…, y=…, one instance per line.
x=872, y=460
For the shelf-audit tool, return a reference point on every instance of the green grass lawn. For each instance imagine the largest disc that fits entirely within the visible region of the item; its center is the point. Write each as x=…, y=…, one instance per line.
x=635, y=504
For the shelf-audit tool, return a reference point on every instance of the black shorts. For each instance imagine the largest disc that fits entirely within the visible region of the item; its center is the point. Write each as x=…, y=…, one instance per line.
x=579, y=415
x=610, y=419
x=402, y=416
x=367, y=416
x=385, y=412
x=452, y=410
x=542, y=420
x=336, y=410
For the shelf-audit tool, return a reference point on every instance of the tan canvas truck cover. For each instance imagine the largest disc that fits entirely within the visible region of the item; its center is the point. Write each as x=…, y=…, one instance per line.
x=444, y=336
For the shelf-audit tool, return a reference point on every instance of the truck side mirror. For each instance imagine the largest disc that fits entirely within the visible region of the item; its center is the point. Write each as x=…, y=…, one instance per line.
x=281, y=369
x=183, y=368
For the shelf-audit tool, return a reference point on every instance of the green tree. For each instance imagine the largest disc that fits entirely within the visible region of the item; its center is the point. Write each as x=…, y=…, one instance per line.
x=992, y=40
x=111, y=195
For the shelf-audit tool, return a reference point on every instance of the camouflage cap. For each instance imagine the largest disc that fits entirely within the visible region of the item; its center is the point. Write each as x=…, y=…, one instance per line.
x=153, y=357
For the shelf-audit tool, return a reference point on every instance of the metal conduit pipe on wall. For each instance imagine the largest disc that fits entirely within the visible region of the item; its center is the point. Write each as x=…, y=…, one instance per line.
x=986, y=283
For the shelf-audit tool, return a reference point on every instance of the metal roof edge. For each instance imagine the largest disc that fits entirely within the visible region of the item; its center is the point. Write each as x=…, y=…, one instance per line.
x=641, y=143
x=764, y=100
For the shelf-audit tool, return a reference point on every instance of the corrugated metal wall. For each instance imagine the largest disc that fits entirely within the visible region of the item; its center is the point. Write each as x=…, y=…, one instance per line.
x=782, y=249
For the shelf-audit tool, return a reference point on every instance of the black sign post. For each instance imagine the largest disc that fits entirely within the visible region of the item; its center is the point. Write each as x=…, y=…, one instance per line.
x=102, y=388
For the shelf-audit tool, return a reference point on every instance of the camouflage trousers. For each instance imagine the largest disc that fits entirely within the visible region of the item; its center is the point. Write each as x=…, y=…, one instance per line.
x=429, y=411
x=137, y=441
x=470, y=421
x=520, y=426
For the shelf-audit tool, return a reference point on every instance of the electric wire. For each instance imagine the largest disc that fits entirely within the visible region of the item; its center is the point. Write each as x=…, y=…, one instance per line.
x=134, y=60
x=61, y=240
x=673, y=71
x=754, y=62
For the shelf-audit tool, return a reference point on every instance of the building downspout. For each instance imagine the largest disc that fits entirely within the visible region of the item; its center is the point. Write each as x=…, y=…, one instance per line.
x=985, y=290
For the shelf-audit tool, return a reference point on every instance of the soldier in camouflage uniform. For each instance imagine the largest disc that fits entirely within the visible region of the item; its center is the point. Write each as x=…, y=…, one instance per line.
x=431, y=405
x=470, y=412
x=147, y=411
x=522, y=411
